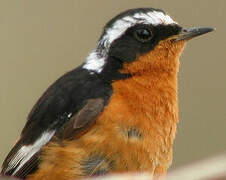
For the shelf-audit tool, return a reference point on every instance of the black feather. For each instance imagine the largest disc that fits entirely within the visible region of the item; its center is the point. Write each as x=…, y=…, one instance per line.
x=67, y=95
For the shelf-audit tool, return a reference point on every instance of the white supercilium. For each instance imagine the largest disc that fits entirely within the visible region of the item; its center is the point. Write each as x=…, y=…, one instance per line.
x=118, y=28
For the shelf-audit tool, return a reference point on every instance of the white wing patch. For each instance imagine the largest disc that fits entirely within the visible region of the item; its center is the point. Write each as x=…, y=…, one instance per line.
x=26, y=152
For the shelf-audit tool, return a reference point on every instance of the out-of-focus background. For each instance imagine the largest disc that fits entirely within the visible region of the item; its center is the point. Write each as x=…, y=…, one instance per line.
x=41, y=40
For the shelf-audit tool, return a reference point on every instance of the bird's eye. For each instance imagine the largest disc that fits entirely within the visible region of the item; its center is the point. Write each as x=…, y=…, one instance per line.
x=143, y=35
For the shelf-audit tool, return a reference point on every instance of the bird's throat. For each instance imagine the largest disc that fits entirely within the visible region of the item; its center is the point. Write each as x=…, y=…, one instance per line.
x=147, y=103
x=144, y=113
x=135, y=131
x=164, y=58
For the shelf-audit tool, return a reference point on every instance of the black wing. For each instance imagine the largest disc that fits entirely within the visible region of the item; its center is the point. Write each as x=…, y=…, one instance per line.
x=60, y=109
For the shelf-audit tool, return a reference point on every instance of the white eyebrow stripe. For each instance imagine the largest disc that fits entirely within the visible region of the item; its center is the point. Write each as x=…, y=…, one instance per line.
x=129, y=19
x=95, y=63
x=120, y=26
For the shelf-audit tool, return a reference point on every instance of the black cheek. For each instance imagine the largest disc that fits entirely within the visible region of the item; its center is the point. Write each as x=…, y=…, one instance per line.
x=125, y=49
x=147, y=47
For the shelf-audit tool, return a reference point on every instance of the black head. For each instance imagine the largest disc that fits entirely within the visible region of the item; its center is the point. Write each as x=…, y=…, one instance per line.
x=136, y=32
x=129, y=35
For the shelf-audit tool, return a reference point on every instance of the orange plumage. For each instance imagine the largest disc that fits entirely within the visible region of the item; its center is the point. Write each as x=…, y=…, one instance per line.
x=135, y=132
x=115, y=113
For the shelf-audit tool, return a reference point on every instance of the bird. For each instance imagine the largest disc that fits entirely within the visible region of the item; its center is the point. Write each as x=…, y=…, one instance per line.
x=115, y=113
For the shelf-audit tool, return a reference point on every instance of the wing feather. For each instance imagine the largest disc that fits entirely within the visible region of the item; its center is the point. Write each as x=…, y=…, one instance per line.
x=21, y=154
x=69, y=106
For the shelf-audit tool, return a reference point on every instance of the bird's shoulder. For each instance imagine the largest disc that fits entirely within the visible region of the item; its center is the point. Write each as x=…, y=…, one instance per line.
x=69, y=105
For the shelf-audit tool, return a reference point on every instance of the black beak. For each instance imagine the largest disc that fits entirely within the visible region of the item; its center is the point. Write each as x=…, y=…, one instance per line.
x=189, y=33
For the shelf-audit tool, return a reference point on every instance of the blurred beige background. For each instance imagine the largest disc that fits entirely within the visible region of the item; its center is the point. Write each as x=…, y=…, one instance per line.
x=41, y=40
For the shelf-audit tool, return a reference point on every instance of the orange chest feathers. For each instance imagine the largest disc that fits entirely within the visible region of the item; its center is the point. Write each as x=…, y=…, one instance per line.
x=141, y=119
x=139, y=124
x=135, y=132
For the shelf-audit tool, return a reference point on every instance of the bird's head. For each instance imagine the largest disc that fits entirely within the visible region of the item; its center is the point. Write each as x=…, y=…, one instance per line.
x=138, y=41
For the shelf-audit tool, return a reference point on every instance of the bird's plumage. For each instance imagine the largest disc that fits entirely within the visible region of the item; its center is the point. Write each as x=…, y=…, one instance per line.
x=117, y=112
x=60, y=103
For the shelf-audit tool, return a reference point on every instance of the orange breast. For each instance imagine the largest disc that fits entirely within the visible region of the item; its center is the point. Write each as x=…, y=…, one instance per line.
x=135, y=132
x=140, y=122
